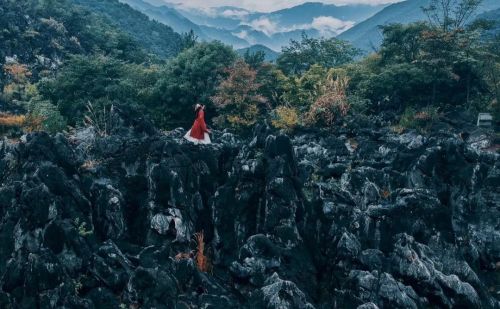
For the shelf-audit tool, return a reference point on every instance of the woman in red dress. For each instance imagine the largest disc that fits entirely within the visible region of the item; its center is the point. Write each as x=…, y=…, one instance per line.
x=199, y=131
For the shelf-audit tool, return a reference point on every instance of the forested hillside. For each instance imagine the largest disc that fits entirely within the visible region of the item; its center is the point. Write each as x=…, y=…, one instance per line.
x=39, y=38
x=154, y=37
x=44, y=33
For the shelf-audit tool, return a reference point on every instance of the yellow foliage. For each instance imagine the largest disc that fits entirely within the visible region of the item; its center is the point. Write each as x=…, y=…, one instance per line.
x=9, y=90
x=29, y=123
x=286, y=118
x=9, y=120
x=247, y=117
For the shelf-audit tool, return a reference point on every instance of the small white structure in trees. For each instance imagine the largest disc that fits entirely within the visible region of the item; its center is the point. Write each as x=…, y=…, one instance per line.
x=484, y=120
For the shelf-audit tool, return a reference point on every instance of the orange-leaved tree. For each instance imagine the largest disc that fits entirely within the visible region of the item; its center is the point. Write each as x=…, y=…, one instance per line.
x=237, y=99
x=18, y=83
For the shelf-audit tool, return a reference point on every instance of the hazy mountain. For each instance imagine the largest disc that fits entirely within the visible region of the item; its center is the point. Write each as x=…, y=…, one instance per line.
x=226, y=17
x=166, y=15
x=225, y=36
x=273, y=41
x=306, y=13
x=367, y=34
x=492, y=16
x=327, y=20
x=169, y=15
x=271, y=55
x=242, y=28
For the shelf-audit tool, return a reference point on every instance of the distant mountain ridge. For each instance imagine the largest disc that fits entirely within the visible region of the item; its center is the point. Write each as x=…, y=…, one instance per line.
x=492, y=16
x=170, y=16
x=367, y=36
x=242, y=28
x=305, y=13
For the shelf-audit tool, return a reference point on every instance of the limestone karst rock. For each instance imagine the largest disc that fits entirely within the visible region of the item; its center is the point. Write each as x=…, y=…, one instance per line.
x=402, y=221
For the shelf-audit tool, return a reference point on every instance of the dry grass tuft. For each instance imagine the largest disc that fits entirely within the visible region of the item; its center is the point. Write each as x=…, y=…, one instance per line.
x=202, y=261
x=28, y=123
x=8, y=120
x=333, y=104
x=385, y=194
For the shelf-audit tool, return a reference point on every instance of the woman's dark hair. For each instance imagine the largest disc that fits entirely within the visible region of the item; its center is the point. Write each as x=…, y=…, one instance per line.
x=197, y=110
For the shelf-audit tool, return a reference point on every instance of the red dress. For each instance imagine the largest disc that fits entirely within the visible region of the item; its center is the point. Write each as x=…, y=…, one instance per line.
x=199, y=132
x=199, y=127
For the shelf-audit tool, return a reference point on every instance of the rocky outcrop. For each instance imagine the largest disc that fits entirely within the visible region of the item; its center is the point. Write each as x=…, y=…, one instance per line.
x=355, y=219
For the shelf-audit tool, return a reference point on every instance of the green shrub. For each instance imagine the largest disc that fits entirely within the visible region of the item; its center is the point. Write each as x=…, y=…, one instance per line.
x=418, y=119
x=51, y=119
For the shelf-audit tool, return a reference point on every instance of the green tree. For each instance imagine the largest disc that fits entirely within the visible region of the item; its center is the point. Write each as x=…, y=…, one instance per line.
x=272, y=83
x=402, y=43
x=99, y=79
x=301, y=91
x=254, y=59
x=189, y=78
x=419, y=64
x=188, y=40
x=299, y=56
x=451, y=15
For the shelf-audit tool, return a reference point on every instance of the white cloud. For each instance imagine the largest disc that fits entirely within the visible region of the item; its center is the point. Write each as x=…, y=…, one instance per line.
x=245, y=36
x=270, y=5
x=265, y=25
x=235, y=14
x=242, y=35
x=327, y=25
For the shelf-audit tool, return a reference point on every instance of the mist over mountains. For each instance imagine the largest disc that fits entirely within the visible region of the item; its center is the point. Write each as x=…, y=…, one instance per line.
x=242, y=28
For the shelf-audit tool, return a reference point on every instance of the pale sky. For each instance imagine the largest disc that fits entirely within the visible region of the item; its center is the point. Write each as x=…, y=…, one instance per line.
x=269, y=5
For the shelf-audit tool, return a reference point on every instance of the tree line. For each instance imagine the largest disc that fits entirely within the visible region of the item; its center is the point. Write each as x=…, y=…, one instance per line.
x=421, y=70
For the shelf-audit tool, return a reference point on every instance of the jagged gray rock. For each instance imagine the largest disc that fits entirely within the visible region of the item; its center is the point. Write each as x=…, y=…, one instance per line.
x=363, y=218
